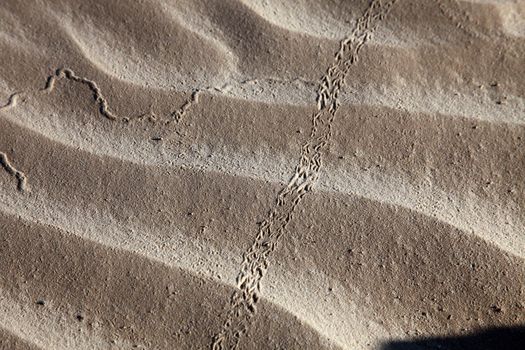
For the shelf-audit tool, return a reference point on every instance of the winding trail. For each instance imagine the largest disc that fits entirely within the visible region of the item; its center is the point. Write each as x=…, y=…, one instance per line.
x=11, y=170
x=100, y=100
x=242, y=305
x=97, y=94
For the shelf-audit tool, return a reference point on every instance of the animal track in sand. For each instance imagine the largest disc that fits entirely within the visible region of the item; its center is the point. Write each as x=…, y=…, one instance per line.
x=104, y=109
x=178, y=114
x=242, y=305
x=64, y=73
x=462, y=19
x=68, y=74
x=11, y=170
x=103, y=104
x=12, y=101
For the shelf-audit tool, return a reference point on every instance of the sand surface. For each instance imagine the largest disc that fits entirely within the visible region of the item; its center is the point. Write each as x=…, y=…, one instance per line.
x=242, y=174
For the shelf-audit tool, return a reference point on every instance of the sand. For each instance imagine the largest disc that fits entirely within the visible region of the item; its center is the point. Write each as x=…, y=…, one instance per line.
x=242, y=174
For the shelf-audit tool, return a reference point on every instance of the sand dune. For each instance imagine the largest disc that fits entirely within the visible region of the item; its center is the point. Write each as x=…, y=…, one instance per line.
x=259, y=175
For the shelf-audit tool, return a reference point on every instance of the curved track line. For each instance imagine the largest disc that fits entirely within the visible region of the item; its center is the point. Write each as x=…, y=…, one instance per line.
x=64, y=73
x=12, y=101
x=11, y=170
x=100, y=100
x=255, y=260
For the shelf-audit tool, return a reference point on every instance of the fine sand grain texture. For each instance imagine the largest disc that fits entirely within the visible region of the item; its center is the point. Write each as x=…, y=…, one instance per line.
x=242, y=174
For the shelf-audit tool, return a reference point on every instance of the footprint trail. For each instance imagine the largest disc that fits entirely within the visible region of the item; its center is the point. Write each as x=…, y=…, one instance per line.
x=242, y=306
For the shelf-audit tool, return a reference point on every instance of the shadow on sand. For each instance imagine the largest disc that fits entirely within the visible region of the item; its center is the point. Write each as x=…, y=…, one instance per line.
x=505, y=338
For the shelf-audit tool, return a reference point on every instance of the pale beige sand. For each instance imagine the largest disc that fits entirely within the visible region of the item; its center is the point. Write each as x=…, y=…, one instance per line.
x=161, y=186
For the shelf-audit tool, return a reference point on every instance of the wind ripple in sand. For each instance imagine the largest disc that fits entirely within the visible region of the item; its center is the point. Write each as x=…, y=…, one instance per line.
x=175, y=251
x=100, y=228
x=494, y=223
x=298, y=90
x=277, y=67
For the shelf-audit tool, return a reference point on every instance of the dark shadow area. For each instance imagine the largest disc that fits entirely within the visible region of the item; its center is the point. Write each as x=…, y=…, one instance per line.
x=505, y=338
